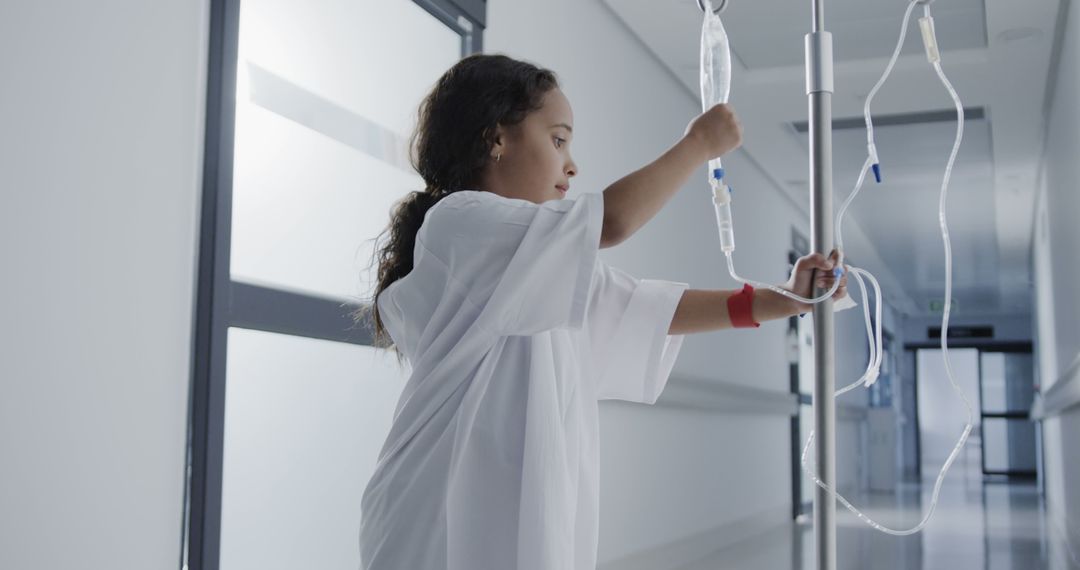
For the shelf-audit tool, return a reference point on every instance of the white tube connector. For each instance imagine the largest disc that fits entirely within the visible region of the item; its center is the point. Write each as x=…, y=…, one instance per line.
x=929, y=39
x=724, y=221
x=875, y=163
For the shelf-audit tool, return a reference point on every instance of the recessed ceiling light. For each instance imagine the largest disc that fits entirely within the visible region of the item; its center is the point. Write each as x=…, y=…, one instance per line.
x=1018, y=34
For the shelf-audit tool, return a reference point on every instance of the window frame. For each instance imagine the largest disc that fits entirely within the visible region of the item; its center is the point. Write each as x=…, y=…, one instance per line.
x=222, y=303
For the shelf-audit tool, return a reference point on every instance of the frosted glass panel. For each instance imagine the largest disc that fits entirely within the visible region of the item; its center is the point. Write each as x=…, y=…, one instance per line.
x=1008, y=444
x=327, y=94
x=993, y=382
x=304, y=422
x=941, y=411
x=1007, y=382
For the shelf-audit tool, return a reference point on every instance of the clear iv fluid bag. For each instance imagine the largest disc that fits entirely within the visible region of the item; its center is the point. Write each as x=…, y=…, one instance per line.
x=715, y=62
x=715, y=67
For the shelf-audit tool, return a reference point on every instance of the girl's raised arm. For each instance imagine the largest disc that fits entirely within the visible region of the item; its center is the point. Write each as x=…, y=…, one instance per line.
x=635, y=198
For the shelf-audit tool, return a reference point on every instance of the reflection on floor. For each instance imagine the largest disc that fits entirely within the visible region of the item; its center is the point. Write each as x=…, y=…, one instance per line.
x=977, y=525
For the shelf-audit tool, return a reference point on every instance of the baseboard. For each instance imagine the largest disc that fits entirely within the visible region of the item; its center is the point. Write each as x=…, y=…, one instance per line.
x=696, y=547
x=1065, y=534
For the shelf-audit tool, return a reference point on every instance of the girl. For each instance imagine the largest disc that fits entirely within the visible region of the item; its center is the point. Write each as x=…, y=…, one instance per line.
x=491, y=286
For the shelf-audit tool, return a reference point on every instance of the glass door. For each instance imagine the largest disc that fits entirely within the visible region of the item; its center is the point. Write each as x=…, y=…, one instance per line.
x=1007, y=391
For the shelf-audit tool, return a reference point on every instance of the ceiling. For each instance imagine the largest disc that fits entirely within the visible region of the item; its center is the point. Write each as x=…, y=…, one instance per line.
x=997, y=55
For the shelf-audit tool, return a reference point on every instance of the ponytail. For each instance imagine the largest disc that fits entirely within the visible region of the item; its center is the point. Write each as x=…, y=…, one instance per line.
x=395, y=257
x=450, y=149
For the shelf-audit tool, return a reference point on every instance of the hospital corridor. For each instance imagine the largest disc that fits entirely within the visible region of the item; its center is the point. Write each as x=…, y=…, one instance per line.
x=540, y=285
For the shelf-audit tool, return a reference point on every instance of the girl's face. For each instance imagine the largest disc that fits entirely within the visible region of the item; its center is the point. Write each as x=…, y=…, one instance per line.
x=535, y=163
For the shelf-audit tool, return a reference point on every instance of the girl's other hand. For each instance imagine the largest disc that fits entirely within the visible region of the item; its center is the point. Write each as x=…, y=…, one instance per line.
x=717, y=131
x=802, y=275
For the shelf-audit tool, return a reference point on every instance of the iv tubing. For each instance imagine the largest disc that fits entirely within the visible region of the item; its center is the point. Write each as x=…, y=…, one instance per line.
x=722, y=200
x=930, y=41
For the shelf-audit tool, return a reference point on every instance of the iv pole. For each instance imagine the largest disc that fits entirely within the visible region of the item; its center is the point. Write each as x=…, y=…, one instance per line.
x=819, y=89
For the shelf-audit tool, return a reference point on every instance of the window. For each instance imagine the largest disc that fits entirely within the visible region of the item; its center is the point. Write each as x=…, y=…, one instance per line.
x=310, y=108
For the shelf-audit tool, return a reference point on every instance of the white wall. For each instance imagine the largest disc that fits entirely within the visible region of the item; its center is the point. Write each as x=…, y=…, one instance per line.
x=1056, y=253
x=100, y=151
x=666, y=475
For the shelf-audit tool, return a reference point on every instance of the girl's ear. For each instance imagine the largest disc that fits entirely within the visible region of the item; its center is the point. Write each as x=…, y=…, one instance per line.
x=498, y=138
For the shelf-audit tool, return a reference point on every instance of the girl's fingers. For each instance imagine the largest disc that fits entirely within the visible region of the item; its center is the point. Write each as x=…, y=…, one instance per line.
x=828, y=284
x=818, y=261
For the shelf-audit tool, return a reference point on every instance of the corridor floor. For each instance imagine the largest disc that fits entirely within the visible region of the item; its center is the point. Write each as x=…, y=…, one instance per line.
x=977, y=525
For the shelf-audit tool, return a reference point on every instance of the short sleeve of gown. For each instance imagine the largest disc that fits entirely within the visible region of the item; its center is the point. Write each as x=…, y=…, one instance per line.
x=527, y=266
x=626, y=330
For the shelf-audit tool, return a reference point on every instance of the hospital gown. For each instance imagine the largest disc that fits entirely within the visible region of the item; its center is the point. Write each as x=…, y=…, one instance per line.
x=515, y=329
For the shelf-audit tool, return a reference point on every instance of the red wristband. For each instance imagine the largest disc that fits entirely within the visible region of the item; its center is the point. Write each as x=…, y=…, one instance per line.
x=739, y=308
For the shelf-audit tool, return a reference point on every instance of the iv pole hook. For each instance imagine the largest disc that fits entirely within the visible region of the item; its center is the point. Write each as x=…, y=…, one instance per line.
x=720, y=5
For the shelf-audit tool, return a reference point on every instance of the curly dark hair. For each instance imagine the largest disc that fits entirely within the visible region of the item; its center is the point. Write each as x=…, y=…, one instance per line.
x=450, y=148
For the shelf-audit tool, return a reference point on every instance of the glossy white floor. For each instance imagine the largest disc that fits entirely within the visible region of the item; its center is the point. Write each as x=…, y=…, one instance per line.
x=977, y=525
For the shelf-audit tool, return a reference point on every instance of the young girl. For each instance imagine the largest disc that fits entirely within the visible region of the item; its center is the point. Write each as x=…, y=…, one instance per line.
x=491, y=286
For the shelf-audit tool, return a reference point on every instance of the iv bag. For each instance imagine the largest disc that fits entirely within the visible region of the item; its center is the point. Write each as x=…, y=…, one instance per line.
x=715, y=61
x=715, y=83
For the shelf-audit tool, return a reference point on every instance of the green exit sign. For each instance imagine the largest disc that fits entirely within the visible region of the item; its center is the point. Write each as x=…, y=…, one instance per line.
x=938, y=306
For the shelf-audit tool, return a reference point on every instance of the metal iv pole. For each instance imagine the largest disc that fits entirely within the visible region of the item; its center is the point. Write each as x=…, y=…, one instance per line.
x=819, y=88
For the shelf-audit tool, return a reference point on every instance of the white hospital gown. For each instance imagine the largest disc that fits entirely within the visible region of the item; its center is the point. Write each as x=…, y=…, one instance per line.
x=515, y=329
